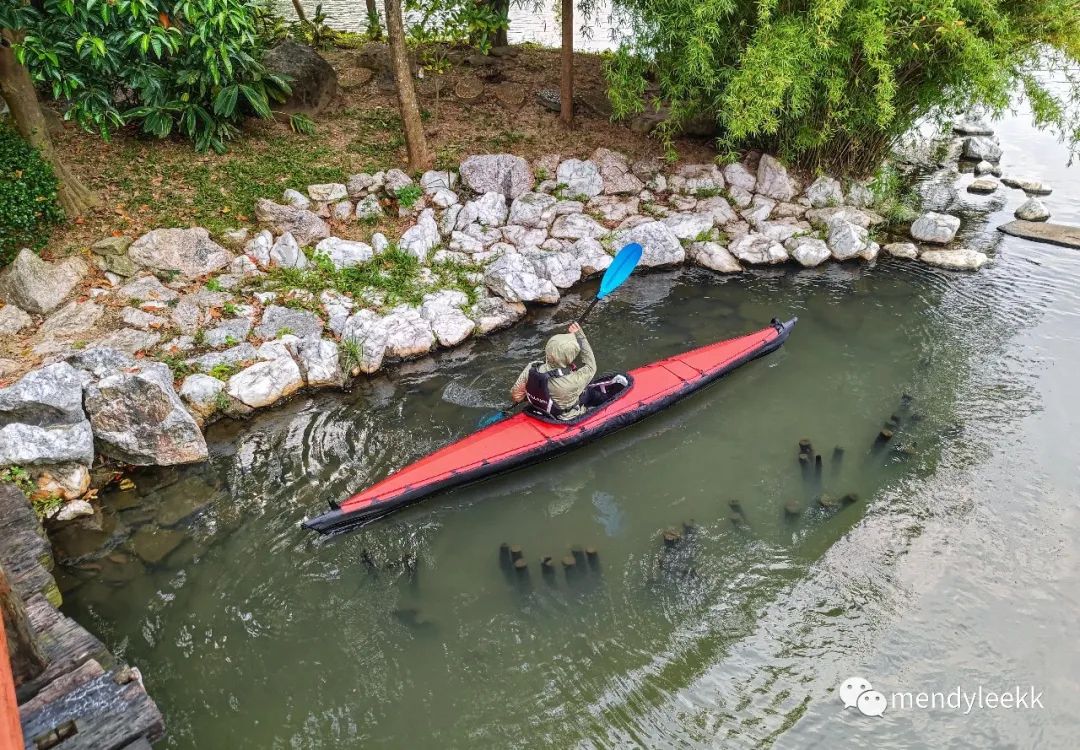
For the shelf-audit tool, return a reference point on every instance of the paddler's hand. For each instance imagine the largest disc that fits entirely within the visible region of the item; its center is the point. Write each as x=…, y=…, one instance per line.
x=574, y=328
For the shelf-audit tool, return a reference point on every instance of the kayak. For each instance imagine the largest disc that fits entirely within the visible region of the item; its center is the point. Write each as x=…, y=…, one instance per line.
x=528, y=437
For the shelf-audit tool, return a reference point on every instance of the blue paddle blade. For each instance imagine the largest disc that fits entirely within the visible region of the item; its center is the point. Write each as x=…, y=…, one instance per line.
x=620, y=269
x=491, y=419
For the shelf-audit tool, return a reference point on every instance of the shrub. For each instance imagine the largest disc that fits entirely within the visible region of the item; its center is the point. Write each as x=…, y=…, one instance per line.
x=833, y=83
x=27, y=196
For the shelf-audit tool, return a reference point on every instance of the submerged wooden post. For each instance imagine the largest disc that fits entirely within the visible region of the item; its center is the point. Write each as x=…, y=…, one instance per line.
x=593, y=557
x=817, y=468
x=569, y=567
x=516, y=552
x=504, y=556
x=805, y=446
x=579, y=554
x=547, y=568
x=793, y=508
x=804, y=466
x=671, y=537
x=849, y=498
x=837, y=457
x=521, y=567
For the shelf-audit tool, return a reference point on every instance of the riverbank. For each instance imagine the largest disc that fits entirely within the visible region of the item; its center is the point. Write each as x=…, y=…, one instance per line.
x=72, y=692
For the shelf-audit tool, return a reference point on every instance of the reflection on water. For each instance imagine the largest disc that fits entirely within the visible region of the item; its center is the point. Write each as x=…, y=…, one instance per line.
x=922, y=561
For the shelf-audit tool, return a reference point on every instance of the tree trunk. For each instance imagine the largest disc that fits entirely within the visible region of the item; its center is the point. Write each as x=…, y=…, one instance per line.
x=18, y=91
x=299, y=10
x=502, y=7
x=566, y=88
x=415, y=141
x=374, y=27
x=26, y=660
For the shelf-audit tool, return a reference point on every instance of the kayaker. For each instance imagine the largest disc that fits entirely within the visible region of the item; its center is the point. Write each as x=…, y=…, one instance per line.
x=559, y=388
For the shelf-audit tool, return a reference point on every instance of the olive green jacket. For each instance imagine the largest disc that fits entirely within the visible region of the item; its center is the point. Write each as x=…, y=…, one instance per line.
x=560, y=352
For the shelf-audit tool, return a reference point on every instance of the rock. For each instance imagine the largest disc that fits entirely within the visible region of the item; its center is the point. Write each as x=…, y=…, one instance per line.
x=443, y=311
x=231, y=357
x=681, y=203
x=591, y=256
x=618, y=178
x=580, y=178
x=689, y=226
x=1032, y=210
x=825, y=191
x=562, y=268
x=408, y=334
x=37, y=286
x=773, y=180
x=189, y=252
x=1054, y=234
x=660, y=246
x=73, y=509
x=312, y=80
x=13, y=320
x=396, y=180
x=614, y=208
x=359, y=185
x=488, y=210
x=319, y=361
x=329, y=192
x=759, y=210
x=782, y=230
x=228, y=333
x=128, y=340
x=870, y=252
x=577, y=226
x=495, y=313
x=278, y=320
x=514, y=278
x=369, y=209
x=739, y=176
x=1031, y=187
x=201, y=394
x=26, y=445
x=956, y=260
x=444, y=198
x=138, y=418
x=235, y=238
x=820, y=218
x=984, y=167
x=258, y=248
x=266, y=382
x=808, y=251
x=905, y=250
x=981, y=148
x=740, y=197
x=422, y=238
x=432, y=181
x=304, y=226
x=758, y=250
x=136, y=318
x=938, y=192
x=972, y=126
x=121, y=265
x=146, y=289
x=111, y=246
x=152, y=544
x=717, y=209
x=715, y=256
x=506, y=174
x=296, y=199
x=46, y=397
x=519, y=237
x=695, y=179
x=342, y=211
x=935, y=227
x=846, y=239
x=983, y=186
x=344, y=253
x=368, y=330
x=73, y=322
x=286, y=253
x=535, y=210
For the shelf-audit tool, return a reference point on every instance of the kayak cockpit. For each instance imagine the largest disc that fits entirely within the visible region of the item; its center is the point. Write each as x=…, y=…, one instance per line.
x=612, y=392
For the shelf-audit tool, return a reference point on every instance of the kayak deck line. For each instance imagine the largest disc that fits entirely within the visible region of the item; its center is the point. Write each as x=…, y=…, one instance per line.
x=526, y=437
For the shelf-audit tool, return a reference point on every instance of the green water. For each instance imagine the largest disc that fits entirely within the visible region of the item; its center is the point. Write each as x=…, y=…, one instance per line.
x=957, y=563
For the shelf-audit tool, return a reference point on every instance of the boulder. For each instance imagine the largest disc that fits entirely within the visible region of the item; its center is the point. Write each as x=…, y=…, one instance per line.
x=519, y=237
x=189, y=252
x=266, y=382
x=46, y=397
x=773, y=180
x=659, y=245
x=433, y=181
x=618, y=178
x=808, y=251
x=513, y=277
x=201, y=394
x=342, y=211
x=577, y=226
x=36, y=286
x=737, y=175
x=313, y=81
x=228, y=332
x=938, y=192
x=1031, y=187
x=614, y=208
x=934, y=227
x=344, y=253
x=535, y=210
x=972, y=126
x=955, y=260
x=319, y=361
x=443, y=311
x=820, y=218
x=369, y=208
x=983, y=186
x=139, y=419
x=368, y=330
x=136, y=318
x=984, y=167
x=233, y=356
x=562, y=268
x=1032, y=209
x=906, y=250
x=591, y=256
x=689, y=226
x=296, y=199
x=718, y=209
x=13, y=320
x=379, y=243
x=494, y=313
x=981, y=148
x=755, y=249
x=73, y=322
x=825, y=191
x=258, y=248
x=693, y=179
x=304, y=226
x=846, y=239
x=444, y=198
x=715, y=256
x=506, y=174
x=489, y=210
x=278, y=320
x=396, y=180
x=423, y=237
x=580, y=178
x=286, y=253
x=408, y=333
x=65, y=480
x=129, y=340
x=29, y=445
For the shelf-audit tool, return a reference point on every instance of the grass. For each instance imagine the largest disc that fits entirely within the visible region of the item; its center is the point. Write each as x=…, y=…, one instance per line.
x=408, y=195
x=352, y=354
x=214, y=285
x=224, y=370
x=44, y=505
x=395, y=274
x=222, y=402
x=175, y=362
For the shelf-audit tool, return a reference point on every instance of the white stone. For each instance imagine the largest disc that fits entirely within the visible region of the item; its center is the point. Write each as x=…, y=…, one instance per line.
x=443, y=198
x=580, y=178
x=379, y=243
x=718, y=209
x=689, y=226
x=591, y=256
x=808, y=251
x=715, y=256
x=773, y=180
x=495, y=313
x=759, y=210
x=614, y=208
x=488, y=210
x=286, y=253
x=982, y=148
x=522, y=237
x=408, y=334
x=344, y=253
x=956, y=260
x=296, y=199
x=513, y=277
x=369, y=208
x=615, y=171
x=758, y=250
x=737, y=175
x=501, y=173
x=201, y=393
x=983, y=186
x=845, y=239
x=1029, y=186
x=577, y=226
x=563, y=269
x=935, y=227
x=327, y=193
x=535, y=210
x=1032, y=209
x=266, y=382
x=422, y=238
x=258, y=248
x=660, y=246
x=319, y=361
x=341, y=211
x=906, y=250
x=825, y=191
x=448, y=220
x=434, y=180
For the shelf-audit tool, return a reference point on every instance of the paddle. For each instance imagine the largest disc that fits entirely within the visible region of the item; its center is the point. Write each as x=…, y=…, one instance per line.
x=619, y=271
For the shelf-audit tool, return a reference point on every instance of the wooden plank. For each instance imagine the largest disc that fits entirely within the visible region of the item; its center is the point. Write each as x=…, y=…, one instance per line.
x=1041, y=231
x=10, y=730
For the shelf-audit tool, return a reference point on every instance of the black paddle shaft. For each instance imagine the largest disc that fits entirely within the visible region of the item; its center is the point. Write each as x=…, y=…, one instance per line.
x=588, y=310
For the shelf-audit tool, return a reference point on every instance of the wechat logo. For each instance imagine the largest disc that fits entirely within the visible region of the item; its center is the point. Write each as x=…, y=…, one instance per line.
x=857, y=692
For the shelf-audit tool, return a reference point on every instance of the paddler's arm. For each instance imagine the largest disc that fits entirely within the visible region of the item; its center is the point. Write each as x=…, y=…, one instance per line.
x=517, y=392
x=583, y=375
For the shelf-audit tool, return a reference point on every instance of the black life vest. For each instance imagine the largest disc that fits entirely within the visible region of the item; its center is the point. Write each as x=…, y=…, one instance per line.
x=538, y=392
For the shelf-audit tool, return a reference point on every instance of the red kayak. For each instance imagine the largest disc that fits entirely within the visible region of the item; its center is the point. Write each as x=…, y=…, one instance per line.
x=527, y=437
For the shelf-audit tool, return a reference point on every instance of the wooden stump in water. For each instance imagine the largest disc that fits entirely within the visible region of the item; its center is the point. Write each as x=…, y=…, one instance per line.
x=805, y=446
x=579, y=554
x=736, y=507
x=804, y=466
x=793, y=508
x=516, y=552
x=828, y=502
x=817, y=467
x=569, y=567
x=547, y=567
x=593, y=557
x=521, y=567
x=837, y=457
x=671, y=538
x=504, y=556
x=850, y=498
